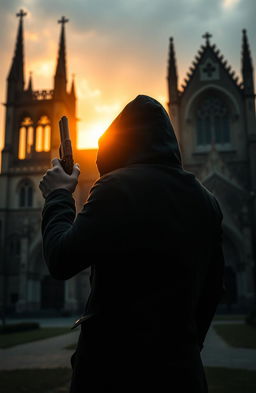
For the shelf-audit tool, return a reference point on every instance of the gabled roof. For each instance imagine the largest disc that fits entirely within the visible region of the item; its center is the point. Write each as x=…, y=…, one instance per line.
x=201, y=54
x=215, y=166
x=232, y=199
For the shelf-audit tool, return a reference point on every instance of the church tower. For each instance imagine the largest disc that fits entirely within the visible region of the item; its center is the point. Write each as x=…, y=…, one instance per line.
x=31, y=141
x=214, y=116
x=31, y=133
x=249, y=107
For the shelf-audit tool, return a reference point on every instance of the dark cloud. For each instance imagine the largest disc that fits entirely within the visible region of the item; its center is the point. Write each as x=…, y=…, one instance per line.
x=139, y=28
x=126, y=42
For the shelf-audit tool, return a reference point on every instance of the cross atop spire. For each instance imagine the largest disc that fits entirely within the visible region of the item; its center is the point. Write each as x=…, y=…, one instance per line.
x=21, y=14
x=207, y=37
x=16, y=74
x=63, y=20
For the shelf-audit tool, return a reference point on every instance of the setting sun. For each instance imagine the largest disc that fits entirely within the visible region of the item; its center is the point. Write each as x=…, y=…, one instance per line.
x=89, y=134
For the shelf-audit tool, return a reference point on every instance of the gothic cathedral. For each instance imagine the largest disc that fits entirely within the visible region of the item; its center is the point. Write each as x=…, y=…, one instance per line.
x=214, y=119
x=31, y=141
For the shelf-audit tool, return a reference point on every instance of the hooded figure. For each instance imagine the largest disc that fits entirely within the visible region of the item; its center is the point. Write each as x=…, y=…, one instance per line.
x=152, y=235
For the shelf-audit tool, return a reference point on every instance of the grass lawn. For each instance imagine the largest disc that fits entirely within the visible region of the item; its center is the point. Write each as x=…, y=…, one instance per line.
x=229, y=317
x=12, y=339
x=35, y=381
x=237, y=335
x=71, y=347
x=220, y=380
x=225, y=380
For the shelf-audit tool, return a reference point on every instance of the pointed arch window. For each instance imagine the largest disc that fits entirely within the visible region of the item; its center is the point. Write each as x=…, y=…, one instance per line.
x=26, y=138
x=26, y=194
x=43, y=134
x=212, y=123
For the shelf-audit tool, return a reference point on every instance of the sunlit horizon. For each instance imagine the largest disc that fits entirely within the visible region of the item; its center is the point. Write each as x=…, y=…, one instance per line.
x=89, y=134
x=119, y=55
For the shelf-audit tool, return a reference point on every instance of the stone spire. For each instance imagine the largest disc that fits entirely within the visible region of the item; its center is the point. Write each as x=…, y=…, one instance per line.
x=73, y=87
x=16, y=75
x=30, y=83
x=60, y=78
x=247, y=67
x=172, y=76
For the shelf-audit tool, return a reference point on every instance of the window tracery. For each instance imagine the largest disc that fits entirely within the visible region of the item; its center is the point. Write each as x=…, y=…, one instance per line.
x=26, y=138
x=34, y=137
x=43, y=134
x=212, y=118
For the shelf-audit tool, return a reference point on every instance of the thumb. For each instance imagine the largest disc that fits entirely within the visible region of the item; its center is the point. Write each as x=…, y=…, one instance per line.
x=56, y=162
x=76, y=171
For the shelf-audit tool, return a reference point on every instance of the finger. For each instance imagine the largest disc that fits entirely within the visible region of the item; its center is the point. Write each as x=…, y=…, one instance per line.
x=56, y=162
x=76, y=171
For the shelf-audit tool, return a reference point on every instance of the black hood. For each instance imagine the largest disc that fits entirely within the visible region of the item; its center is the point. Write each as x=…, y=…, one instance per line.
x=141, y=133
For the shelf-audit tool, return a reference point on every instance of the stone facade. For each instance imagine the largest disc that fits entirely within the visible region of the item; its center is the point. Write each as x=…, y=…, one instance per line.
x=214, y=118
x=31, y=141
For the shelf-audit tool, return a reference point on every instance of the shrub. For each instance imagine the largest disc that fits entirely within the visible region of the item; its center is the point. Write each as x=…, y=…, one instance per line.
x=251, y=318
x=19, y=327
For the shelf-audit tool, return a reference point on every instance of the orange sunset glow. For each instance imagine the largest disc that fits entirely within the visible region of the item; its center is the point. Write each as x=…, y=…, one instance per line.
x=89, y=134
x=115, y=55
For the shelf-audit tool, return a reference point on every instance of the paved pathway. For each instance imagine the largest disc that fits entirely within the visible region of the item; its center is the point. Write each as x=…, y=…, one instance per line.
x=47, y=322
x=217, y=353
x=47, y=353
x=50, y=353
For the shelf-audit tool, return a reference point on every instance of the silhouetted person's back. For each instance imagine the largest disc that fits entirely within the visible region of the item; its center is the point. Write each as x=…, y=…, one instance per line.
x=152, y=234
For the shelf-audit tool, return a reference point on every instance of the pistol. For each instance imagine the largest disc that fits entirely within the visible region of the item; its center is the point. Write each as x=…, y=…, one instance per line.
x=65, y=150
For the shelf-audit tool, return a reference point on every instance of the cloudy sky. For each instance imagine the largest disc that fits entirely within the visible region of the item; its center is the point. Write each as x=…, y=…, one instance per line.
x=118, y=49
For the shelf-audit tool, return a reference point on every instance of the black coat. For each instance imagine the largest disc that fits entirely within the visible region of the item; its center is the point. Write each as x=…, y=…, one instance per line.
x=152, y=234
